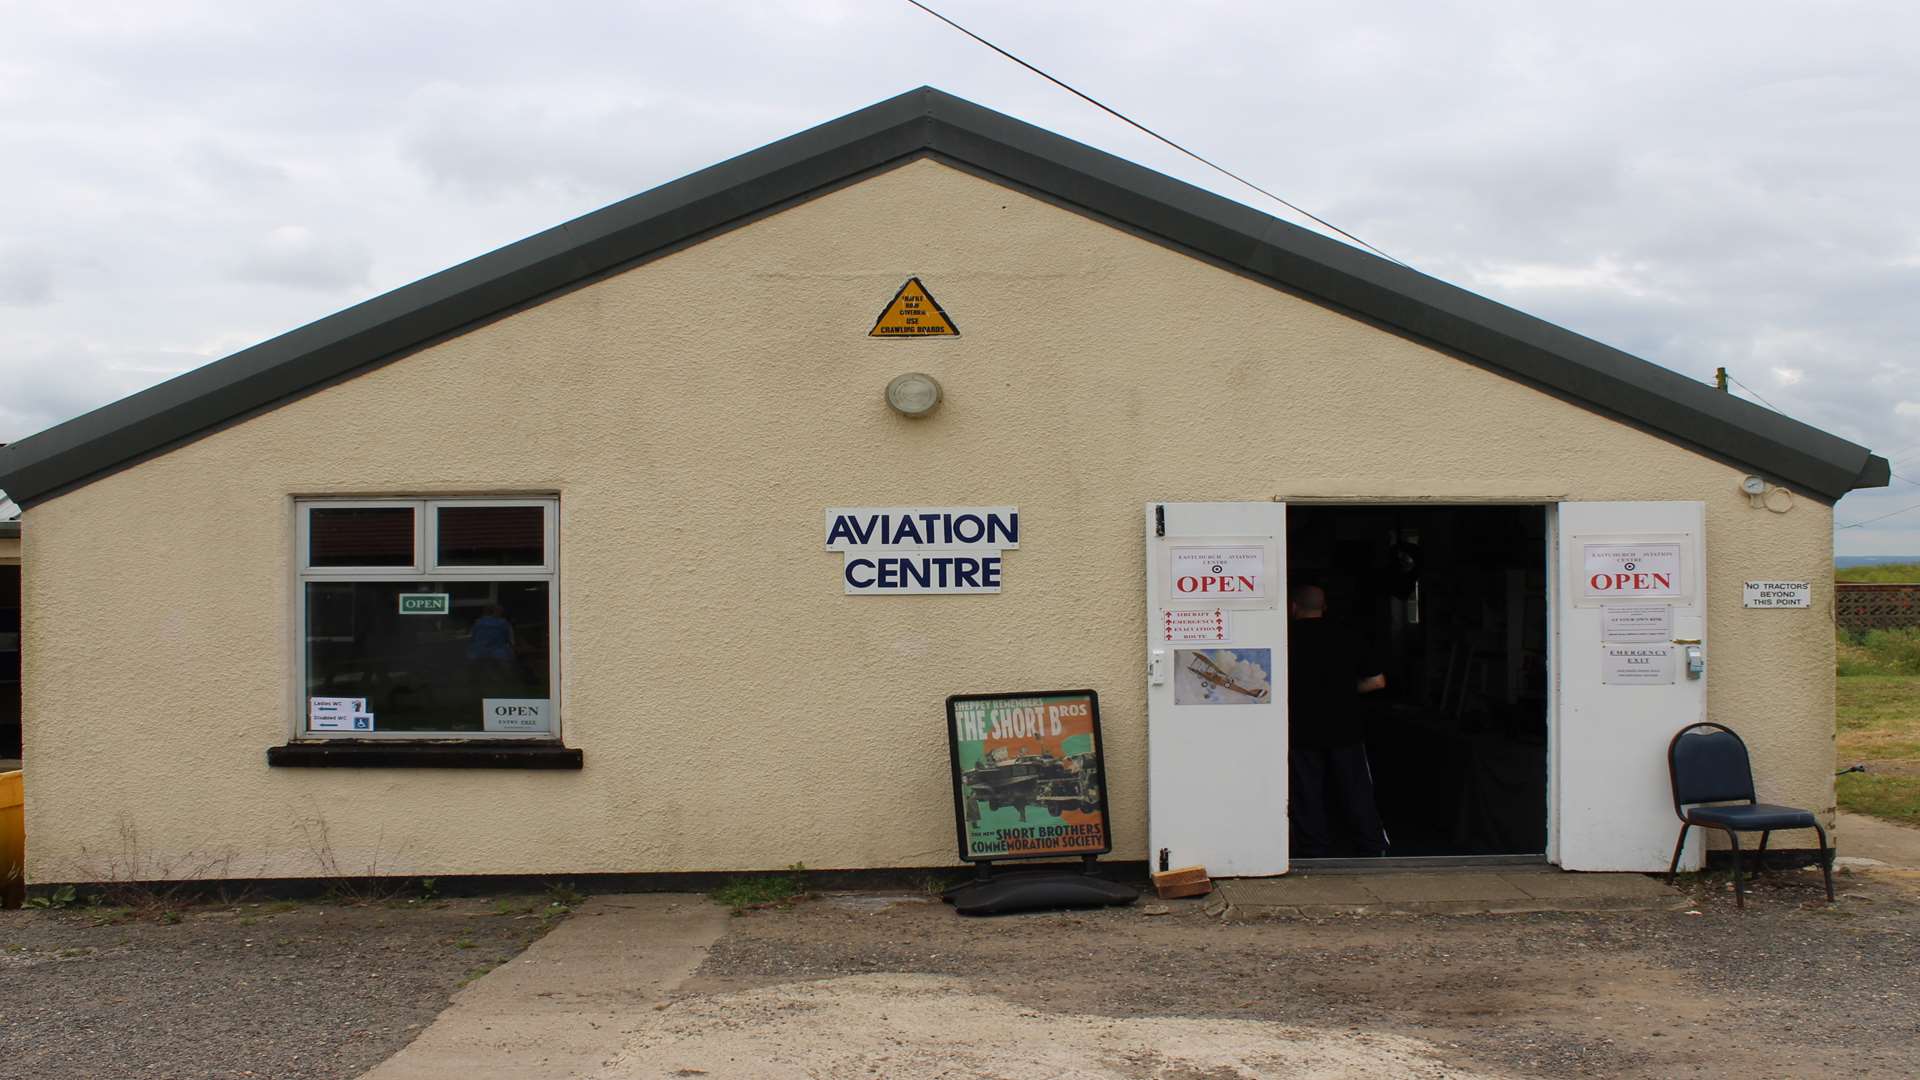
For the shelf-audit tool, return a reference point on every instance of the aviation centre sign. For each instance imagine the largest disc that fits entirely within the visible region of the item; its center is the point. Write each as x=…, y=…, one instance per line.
x=902, y=551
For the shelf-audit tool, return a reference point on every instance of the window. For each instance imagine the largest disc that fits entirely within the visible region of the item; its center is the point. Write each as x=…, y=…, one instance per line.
x=427, y=618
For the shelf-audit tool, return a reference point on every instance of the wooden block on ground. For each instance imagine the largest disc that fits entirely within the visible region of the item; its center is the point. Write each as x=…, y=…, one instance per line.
x=1185, y=881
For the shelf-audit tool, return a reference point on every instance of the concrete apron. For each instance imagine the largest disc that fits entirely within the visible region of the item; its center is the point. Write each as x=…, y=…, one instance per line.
x=1866, y=842
x=565, y=1007
x=1466, y=891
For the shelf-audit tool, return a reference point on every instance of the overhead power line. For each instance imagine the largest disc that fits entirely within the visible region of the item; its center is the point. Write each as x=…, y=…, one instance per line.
x=1124, y=118
x=1752, y=391
x=1882, y=517
x=1302, y=211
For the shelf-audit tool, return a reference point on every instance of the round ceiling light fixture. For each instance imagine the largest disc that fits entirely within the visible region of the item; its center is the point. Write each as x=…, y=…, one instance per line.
x=913, y=394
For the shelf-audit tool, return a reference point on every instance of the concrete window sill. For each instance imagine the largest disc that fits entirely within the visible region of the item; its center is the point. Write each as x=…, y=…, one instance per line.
x=352, y=754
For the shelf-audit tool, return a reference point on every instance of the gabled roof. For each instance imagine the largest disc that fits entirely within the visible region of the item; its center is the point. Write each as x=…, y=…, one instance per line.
x=929, y=123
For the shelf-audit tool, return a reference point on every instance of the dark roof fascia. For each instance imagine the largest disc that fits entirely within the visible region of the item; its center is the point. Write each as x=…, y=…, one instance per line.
x=922, y=122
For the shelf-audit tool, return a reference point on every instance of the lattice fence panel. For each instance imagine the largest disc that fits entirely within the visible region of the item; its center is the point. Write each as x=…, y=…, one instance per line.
x=1876, y=607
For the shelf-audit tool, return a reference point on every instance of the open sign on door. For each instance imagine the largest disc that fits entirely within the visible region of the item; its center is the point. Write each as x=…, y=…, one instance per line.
x=1237, y=572
x=1622, y=571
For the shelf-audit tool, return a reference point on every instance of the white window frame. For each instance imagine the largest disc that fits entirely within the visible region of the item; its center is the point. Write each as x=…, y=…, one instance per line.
x=426, y=567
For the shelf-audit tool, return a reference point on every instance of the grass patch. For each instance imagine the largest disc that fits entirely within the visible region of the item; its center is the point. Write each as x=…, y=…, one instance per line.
x=1889, y=798
x=937, y=884
x=1878, y=652
x=476, y=972
x=1878, y=724
x=780, y=891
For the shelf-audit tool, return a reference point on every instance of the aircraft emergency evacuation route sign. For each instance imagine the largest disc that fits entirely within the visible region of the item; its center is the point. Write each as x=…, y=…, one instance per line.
x=1188, y=625
x=913, y=312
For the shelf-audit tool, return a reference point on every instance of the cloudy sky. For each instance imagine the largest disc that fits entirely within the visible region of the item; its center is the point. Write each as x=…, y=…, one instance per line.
x=1700, y=184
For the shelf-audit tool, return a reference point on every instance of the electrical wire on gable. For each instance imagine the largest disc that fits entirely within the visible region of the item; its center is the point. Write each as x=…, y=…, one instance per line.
x=1754, y=392
x=1236, y=177
x=1882, y=517
x=1124, y=118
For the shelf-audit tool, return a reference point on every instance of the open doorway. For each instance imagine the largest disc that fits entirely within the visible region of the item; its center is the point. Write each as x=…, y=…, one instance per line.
x=1450, y=604
x=9, y=667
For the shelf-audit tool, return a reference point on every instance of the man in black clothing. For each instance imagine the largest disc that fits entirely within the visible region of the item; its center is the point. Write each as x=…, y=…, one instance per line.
x=1331, y=800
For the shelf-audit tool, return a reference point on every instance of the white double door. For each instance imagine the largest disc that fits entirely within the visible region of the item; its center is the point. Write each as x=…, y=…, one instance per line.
x=1217, y=695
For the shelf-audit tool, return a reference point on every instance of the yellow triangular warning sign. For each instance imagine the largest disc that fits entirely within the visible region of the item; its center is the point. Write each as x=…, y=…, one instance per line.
x=913, y=312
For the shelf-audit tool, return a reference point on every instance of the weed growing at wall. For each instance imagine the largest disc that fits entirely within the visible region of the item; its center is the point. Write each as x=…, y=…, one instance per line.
x=777, y=891
x=345, y=884
x=145, y=883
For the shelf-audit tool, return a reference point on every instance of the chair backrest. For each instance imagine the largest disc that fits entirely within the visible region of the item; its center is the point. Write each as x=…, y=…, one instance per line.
x=1708, y=763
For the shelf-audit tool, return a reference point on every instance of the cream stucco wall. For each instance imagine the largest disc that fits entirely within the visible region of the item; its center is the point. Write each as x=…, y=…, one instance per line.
x=695, y=415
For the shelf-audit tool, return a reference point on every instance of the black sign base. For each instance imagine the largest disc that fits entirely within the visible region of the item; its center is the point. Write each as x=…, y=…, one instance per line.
x=1037, y=890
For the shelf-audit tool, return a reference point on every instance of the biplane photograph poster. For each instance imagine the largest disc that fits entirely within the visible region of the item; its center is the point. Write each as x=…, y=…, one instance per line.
x=1028, y=778
x=1222, y=676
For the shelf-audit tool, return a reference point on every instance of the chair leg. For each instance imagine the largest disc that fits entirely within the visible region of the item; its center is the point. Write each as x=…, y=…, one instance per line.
x=1739, y=886
x=1674, y=866
x=1760, y=861
x=1826, y=860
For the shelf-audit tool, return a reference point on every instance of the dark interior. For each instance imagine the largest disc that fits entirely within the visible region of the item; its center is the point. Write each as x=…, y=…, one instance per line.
x=1452, y=602
x=9, y=662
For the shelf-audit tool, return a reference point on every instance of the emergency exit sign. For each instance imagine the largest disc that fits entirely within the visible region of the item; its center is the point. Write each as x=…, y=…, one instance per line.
x=425, y=603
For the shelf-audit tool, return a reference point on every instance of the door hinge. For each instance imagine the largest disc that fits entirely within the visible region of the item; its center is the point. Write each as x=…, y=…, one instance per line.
x=1160, y=520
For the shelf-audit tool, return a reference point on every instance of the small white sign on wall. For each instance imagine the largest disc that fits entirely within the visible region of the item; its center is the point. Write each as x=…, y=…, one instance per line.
x=1636, y=665
x=1777, y=594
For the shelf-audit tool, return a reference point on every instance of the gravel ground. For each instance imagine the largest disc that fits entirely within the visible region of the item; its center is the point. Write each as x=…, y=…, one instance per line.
x=1790, y=987
x=323, y=990
x=278, y=989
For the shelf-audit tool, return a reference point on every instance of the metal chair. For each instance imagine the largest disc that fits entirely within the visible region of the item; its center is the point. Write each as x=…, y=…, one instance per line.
x=1712, y=766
